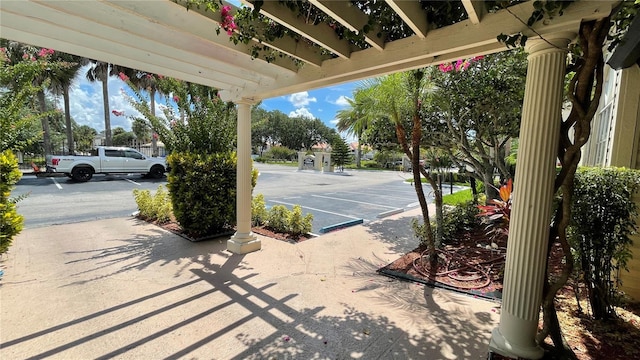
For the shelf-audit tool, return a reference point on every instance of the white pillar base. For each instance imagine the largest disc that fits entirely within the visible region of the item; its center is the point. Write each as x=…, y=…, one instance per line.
x=243, y=243
x=502, y=346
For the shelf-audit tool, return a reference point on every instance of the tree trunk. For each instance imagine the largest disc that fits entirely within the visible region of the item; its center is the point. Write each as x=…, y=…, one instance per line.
x=584, y=92
x=107, y=113
x=489, y=188
x=67, y=119
x=359, y=152
x=154, y=135
x=46, y=132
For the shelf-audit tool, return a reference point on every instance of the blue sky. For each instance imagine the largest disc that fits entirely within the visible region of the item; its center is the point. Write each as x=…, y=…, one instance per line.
x=86, y=103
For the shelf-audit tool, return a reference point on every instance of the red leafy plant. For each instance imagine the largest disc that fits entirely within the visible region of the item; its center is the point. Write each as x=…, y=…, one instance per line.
x=497, y=213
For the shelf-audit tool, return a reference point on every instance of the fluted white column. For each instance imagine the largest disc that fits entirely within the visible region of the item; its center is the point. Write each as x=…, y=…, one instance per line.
x=243, y=241
x=532, y=199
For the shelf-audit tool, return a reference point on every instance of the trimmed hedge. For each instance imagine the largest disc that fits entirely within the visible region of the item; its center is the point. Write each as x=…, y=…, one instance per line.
x=603, y=219
x=203, y=191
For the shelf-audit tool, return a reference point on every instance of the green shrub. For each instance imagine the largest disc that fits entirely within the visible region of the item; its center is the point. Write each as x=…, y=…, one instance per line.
x=283, y=220
x=298, y=224
x=278, y=218
x=280, y=153
x=155, y=208
x=457, y=219
x=603, y=218
x=11, y=222
x=144, y=202
x=203, y=191
x=259, y=213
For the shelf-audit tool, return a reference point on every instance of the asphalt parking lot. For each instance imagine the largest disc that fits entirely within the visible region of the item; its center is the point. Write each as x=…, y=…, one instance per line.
x=332, y=198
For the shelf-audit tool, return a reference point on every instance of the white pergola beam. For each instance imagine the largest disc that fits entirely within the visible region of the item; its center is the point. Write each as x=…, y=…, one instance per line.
x=349, y=16
x=286, y=45
x=475, y=9
x=186, y=25
x=412, y=14
x=79, y=49
x=462, y=39
x=321, y=35
x=156, y=51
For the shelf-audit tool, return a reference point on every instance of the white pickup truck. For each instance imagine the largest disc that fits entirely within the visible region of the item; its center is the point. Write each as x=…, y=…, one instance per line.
x=106, y=160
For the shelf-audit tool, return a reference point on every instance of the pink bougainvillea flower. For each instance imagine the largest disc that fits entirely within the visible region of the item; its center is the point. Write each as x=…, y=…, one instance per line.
x=33, y=58
x=228, y=23
x=3, y=49
x=123, y=76
x=160, y=76
x=25, y=56
x=478, y=58
x=155, y=136
x=117, y=112
x=176, y=98
x=445, y=68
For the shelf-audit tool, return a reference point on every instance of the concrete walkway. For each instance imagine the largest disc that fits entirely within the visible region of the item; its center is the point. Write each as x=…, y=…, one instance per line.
x=122, y=288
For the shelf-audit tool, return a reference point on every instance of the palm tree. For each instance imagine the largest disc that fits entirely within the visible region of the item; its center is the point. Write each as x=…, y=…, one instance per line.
x=147, y=81
x=355, y=119
x=100, y=71
x=399, y=97
x=60, y=84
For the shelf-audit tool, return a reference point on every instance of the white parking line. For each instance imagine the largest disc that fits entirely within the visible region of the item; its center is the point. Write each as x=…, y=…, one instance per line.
x=133, y=182
x=355, y=201
x=314, y=209
x=56, y=182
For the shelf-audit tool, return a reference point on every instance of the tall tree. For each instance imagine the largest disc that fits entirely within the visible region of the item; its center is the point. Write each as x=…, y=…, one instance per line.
x=399, y=97
x=60, y=84
x=475, y=111
x=101, y=71
x=355, y=119
x=148, y=82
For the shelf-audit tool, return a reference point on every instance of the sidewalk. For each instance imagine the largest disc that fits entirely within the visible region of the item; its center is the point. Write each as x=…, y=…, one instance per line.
x=122, y=288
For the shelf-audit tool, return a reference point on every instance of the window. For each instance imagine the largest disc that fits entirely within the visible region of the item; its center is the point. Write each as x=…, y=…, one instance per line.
x=601, y=139
x=113, y=153
x=133, y=154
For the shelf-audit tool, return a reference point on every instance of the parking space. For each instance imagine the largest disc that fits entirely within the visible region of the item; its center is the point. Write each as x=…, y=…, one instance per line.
x=335, y=198
x=332, y=198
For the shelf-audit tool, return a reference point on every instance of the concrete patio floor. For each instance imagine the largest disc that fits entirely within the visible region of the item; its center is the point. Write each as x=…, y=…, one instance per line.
x=121, y=288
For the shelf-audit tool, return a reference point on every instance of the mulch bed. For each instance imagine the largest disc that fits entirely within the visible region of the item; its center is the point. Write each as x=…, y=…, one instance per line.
x=469, y=265
x=590, y=339
x=175, y=228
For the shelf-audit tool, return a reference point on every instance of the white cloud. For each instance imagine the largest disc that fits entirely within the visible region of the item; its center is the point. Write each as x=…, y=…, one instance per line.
x=302, y=112
x=342, y=101
x=301, y=99
x=334, y=122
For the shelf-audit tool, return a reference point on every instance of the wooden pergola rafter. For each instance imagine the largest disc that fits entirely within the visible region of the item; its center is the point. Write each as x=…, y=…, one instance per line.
x=164, y=37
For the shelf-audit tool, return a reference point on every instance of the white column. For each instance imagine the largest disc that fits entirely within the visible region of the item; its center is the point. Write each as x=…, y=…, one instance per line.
x=532, y=199
x=243, y=241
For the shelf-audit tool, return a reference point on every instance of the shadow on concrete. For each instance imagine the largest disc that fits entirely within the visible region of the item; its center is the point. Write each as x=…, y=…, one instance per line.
x=249, y=319
x=396, y=232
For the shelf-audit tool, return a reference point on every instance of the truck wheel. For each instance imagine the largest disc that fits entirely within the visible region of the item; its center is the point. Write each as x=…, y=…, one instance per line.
x=82, y=174
x=157, y=172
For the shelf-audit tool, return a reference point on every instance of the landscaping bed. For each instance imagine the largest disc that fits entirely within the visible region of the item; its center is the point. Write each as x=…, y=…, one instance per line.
x=590, y=339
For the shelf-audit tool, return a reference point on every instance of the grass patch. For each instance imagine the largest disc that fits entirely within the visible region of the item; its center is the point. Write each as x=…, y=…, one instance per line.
x=458, y=198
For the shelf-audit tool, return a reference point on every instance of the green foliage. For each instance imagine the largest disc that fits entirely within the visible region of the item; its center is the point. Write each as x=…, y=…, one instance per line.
x=203, y=191
x=275, y=127
x=278, y=218
x=11, y=222
x=603, y=221
x=283, y=220
x=19, y=124
x=457, y=219
x=340, y=154
x=280, y=153
x=259, y=214
x=297, y=223
x=203, y=124
x=154, y=208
